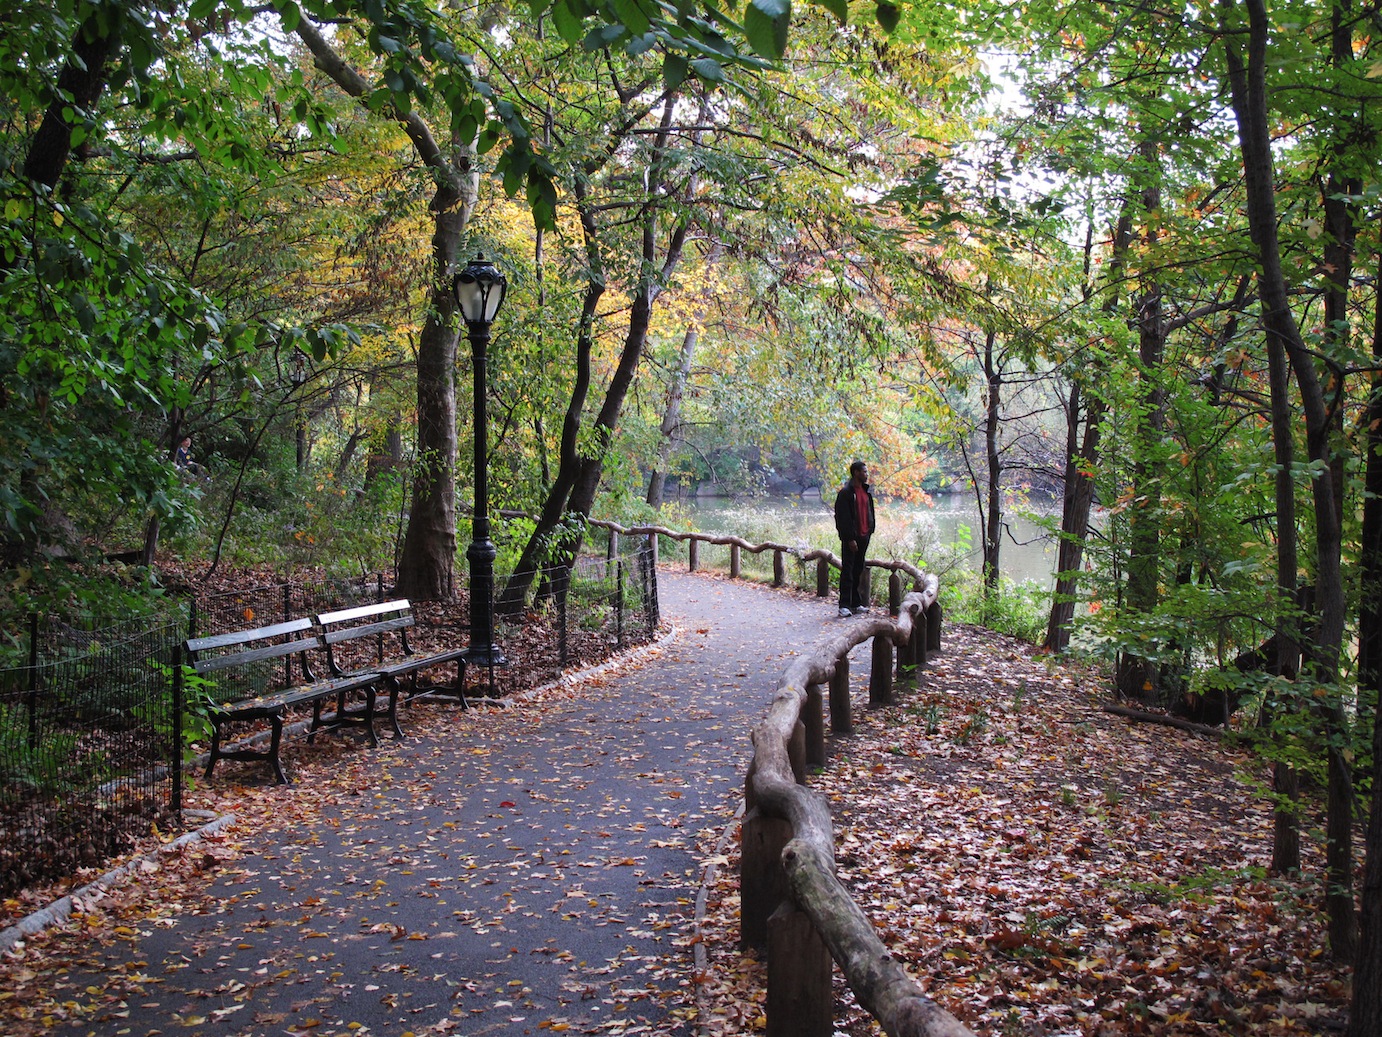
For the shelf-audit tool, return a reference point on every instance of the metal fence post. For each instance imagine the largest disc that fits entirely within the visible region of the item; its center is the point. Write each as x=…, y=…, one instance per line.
x=176, y=762
x=563, y=585
x=619, y=603
x=287, y=615
x=651, y=597
x=33, y=680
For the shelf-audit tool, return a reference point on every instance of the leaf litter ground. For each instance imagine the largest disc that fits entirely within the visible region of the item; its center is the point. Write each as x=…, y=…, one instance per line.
x=1041, y=867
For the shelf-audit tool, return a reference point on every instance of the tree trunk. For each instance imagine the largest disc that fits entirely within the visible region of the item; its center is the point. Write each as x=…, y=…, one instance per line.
x=426, y=567
x=1366, y=1016
x=578, y=477
x=1078, y=497
x=1285, y=780
x=671, y=418
x=511, y=599
x=1251, y=113
x=79, y=87
x=1138, y=675
x=1077, y=502
x=993, y=414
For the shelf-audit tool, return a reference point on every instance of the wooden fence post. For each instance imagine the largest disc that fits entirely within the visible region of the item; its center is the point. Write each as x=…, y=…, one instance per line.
x=734, y=561
x=813, y=720
x=796, y=752
x=881, y=672
x=693, y=554
x=822, y=578
x=612, y=550
x=894, y=593
x=762, y=882
x=933, y=627
x=799, y=992
x=779, y=569
x=841, y=722
x=920, y=634
x=906, y=661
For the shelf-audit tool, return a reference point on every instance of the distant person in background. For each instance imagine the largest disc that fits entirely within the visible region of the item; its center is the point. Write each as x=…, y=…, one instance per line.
x=855, y=522
x=183, y=460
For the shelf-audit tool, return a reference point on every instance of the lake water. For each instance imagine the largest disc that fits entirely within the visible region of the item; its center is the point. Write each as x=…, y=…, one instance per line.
x=947, y=529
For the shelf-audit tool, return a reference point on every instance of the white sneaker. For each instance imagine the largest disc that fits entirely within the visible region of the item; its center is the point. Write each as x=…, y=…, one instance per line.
x=859, y=610
x=845, y=612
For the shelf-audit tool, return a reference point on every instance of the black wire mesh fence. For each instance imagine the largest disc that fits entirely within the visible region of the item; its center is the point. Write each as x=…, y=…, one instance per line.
x=604, y=604
x=87, y=732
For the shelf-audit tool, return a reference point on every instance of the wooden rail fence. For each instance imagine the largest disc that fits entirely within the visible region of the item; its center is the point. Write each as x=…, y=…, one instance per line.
x=825, y=560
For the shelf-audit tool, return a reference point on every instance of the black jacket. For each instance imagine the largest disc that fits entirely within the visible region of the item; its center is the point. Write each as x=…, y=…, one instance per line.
x=846, y=517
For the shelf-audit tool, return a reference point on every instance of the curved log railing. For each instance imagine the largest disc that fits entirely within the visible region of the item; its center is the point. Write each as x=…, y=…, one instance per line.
x=791, y=900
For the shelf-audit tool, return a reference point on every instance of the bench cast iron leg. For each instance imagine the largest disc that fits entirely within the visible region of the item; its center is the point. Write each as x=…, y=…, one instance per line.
x=277, y=721
x=215, y=746
x=370, y=699
x=316, y=720
x=395, y=687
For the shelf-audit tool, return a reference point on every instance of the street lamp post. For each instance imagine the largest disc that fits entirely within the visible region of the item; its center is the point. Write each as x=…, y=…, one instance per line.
x=480, y=292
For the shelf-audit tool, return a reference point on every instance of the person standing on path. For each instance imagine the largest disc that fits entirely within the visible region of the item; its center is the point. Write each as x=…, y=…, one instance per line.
x=855, y=522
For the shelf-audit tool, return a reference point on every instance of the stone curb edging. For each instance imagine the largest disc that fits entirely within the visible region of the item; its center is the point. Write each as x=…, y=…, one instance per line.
x=60, y=910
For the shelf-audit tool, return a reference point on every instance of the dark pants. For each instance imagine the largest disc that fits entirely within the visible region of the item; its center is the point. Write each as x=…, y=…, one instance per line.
x=852, y=574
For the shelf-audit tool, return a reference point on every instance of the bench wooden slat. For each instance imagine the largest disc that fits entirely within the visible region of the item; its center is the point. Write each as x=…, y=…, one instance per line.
x=333, y=637
x=355, y=612
x=252, y=655
x=414, y=663
x=295, y=695
x=248, y=635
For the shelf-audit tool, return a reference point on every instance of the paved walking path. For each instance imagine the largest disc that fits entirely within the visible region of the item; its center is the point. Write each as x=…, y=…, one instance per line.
x=516, y=872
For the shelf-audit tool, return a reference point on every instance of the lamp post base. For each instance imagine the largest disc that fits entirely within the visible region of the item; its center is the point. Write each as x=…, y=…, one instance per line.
x=489, y=656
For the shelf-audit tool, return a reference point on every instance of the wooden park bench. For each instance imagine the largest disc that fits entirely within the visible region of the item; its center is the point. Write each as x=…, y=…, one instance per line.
x=260, y=687
x=393, y=657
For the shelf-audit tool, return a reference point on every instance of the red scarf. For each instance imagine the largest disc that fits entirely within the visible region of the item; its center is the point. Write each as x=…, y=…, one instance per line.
x=861, y=508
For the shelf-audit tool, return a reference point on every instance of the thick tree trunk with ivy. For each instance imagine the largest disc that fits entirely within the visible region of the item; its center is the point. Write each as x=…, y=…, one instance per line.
x=1250, y=106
